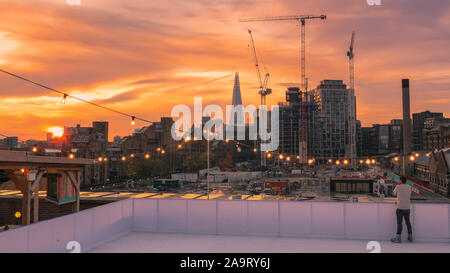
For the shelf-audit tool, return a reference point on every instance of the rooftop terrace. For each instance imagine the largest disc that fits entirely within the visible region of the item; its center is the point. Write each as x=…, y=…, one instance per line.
x=172, y=225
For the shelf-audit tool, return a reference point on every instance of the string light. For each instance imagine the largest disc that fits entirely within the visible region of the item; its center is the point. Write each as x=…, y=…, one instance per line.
x=132, y=120
x=71, y=156
x=66, y=95
x=64, y=99
x=34, y=149
x=147, y=156
x=345, y=161
x=124, y=158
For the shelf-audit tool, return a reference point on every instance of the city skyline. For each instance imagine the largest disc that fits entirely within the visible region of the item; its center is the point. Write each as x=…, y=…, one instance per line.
x=144, y=67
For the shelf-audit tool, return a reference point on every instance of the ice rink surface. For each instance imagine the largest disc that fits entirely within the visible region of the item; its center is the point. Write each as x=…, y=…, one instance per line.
x=142, y=242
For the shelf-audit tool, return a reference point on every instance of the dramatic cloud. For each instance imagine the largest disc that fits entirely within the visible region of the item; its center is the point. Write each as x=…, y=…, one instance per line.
x=143, y=57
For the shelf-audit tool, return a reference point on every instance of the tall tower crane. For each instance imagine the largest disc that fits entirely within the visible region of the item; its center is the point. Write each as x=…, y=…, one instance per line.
x=352, y=104
x=302, y=19
x=264, y=90
x=350, y=62
x=303, y=123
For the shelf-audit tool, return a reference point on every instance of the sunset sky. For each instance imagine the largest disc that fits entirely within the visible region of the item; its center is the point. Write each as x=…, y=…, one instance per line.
x=143, y=57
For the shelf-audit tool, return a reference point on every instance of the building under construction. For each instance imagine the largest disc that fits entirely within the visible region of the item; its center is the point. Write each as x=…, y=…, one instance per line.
x=327, y=117
x=291, y=116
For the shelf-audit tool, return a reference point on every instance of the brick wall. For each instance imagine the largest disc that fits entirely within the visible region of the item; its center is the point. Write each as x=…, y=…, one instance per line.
x=47, y=210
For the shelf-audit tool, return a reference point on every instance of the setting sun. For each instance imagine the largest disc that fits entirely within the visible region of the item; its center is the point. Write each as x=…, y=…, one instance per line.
x=56, y=131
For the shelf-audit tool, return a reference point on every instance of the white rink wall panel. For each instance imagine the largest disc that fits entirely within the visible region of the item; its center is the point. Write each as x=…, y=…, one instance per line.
x=232, y=217
x=430, y=222
x=202, y=217
x=295, y=219
x=172, y=215
x=145, y=215
x=387, y=222
x=361, y=221
x=263, y=218
x=328, y=220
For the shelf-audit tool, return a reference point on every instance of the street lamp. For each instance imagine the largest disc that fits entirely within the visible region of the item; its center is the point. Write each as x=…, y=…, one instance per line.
x=207, y=159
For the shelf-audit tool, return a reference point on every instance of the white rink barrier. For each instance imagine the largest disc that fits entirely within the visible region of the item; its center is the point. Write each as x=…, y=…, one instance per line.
x=89, y=228
x=337, y=220
x=334, y=220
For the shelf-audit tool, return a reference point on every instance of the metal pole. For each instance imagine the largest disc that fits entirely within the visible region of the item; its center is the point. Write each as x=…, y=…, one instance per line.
x=207, y=170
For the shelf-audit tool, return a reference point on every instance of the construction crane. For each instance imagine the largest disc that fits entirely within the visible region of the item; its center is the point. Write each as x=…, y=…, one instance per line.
x=350, y=62
x=304, y=125
x=351, y=103
x=302, y=19
x=264, y=90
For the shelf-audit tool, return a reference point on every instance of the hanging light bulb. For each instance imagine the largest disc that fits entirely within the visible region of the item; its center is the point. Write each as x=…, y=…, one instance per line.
x=64, y=99
x=133, y=120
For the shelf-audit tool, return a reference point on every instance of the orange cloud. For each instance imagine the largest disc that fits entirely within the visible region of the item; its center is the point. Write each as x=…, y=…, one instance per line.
x=143, y=57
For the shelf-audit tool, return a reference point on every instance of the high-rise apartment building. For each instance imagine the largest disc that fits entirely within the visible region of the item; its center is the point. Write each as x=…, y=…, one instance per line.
x=331, y=123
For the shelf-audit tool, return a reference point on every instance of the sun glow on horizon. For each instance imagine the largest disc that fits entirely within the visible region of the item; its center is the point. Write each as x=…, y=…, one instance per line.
x=56, y=131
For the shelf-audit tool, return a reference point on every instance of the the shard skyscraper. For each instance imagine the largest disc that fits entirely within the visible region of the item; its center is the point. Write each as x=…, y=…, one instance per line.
x=236, y=101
